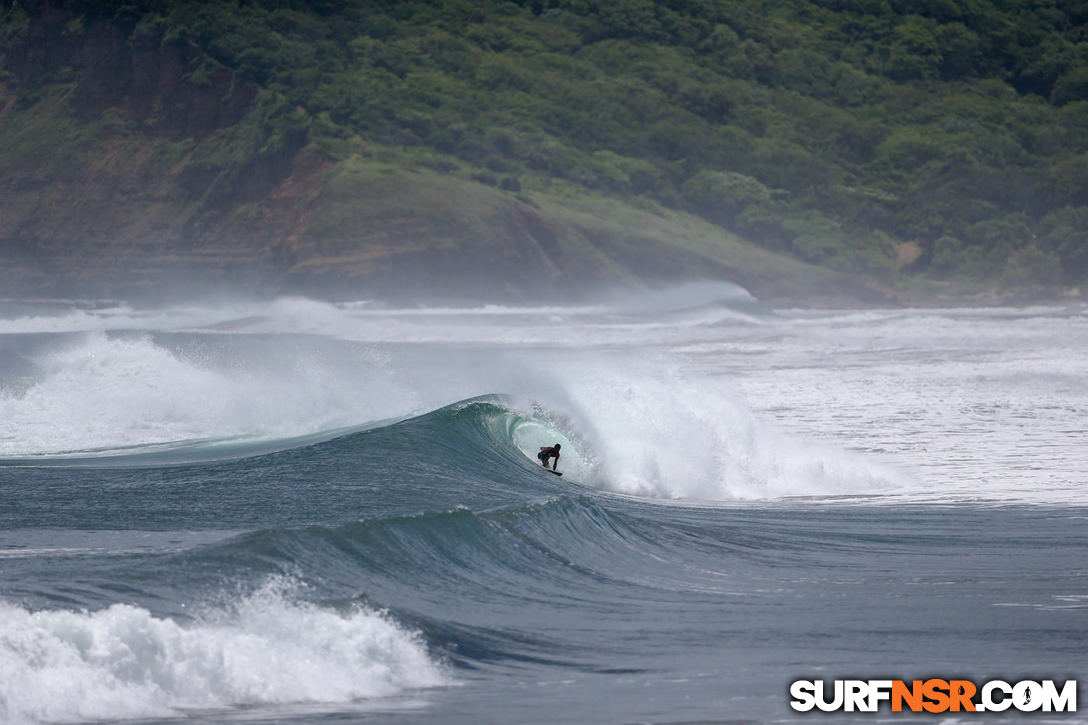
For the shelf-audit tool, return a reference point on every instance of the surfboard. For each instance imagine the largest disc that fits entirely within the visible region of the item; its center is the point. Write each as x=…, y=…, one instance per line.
x=558, y=473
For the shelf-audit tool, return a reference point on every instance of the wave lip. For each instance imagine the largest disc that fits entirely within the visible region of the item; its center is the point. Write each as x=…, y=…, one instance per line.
x=124, y=662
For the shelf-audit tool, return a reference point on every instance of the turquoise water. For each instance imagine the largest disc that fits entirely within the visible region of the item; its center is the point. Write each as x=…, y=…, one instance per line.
x=300, y=512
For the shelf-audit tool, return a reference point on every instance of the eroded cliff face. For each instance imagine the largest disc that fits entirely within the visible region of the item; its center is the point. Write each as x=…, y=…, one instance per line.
x=161, y=85
x=130, y=161
x=133, y=165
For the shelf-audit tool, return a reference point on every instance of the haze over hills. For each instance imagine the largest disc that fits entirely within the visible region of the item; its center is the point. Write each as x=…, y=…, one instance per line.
x=873, y=150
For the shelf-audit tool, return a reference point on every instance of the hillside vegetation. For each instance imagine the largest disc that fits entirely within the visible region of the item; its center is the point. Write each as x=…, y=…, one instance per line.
x=914, y=144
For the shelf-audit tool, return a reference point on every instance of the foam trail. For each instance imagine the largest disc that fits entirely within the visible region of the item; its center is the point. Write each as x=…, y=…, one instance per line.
x=123, y=662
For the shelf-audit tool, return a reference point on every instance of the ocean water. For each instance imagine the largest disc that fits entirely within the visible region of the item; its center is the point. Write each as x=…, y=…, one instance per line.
x=296, y=511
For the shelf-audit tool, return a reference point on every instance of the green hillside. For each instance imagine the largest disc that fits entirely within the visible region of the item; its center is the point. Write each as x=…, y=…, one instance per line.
x=792, y=145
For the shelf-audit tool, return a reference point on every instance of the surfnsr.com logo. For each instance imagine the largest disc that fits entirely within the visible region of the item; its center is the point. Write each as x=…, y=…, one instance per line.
x=933, y=695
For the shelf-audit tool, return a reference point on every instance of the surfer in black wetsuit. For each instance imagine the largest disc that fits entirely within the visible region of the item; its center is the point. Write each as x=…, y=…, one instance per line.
x=547, y=452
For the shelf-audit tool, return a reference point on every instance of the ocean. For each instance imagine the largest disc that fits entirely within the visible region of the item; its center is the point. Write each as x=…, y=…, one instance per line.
x=293, y=511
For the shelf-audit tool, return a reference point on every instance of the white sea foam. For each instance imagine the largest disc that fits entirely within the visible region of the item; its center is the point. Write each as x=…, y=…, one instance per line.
x=107, y=393
x=650, y=431
x=124, y=662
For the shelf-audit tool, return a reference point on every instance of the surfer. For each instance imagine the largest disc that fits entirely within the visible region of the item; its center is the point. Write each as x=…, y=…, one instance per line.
x=547, y=452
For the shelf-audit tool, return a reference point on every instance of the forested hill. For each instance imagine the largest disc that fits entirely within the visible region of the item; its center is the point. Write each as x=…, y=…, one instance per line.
x=913, y=146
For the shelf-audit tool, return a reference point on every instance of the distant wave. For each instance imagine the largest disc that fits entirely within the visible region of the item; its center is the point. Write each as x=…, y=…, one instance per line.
x=120, y=395
x=692, y=304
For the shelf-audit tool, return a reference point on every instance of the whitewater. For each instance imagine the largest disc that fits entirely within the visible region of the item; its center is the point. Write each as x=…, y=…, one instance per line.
x=299, y=511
